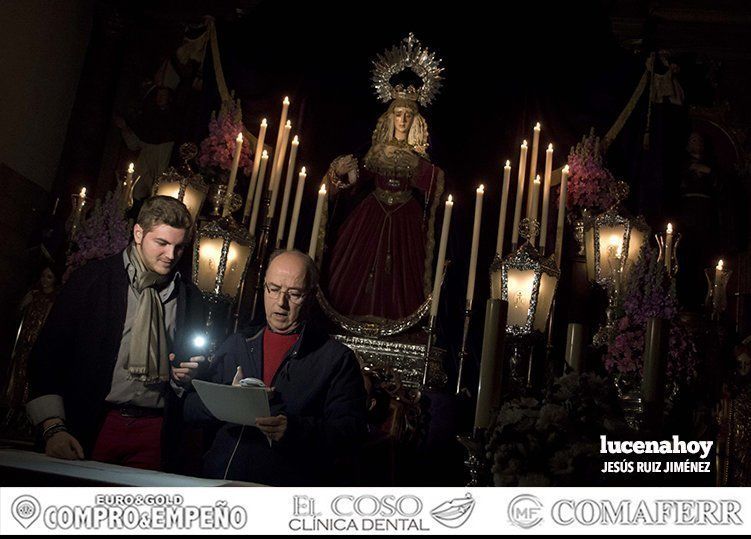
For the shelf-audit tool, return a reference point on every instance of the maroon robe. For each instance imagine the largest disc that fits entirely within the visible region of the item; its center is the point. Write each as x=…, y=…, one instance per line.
x=377, y=263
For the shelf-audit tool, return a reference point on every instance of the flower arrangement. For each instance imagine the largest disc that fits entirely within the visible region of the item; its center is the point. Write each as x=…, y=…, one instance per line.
x=591, y=186
x=104, y=232
x=650, y=294
x=218, y=149
x=554, y=441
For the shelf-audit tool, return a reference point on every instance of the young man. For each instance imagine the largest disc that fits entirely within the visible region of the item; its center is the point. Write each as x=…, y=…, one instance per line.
x=99, y=374
x=318, y=414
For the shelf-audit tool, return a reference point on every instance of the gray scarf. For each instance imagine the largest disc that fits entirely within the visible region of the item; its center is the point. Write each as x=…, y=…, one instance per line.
x=148, y=358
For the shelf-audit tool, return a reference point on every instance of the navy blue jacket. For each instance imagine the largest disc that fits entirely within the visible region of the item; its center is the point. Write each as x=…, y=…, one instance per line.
x=318, y=386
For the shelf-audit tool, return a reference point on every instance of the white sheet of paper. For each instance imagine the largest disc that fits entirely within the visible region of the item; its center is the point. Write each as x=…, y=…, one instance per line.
x=233, y=404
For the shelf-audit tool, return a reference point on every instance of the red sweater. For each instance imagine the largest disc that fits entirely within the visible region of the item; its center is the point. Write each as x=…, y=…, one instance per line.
x=275, y=347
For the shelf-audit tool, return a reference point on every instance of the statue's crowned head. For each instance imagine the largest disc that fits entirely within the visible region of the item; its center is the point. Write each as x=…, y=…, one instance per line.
x=419, y=74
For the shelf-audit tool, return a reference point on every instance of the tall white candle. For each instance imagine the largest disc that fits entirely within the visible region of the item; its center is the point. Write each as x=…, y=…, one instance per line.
x=296, y=209
x=77, y=212
x=561, y=216
x=279, y=135
x=668, y=246
x=475, y=246
x=546, y=198
x=441, y=256
x=233, y=174
x=317, y=222
x=504, y=206
x=256, y=168
x=287, y=190
x=276, y=179
x=718, y=273
x=519, y=195
x=534, y=205
x=533, y=161
x=259, y=193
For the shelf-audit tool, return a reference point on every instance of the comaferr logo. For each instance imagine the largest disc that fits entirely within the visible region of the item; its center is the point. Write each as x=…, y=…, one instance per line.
x=454, y=513
x=525, y=511
x=654, y=512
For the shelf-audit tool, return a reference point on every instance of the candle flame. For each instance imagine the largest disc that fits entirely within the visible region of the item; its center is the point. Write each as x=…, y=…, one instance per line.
x=322, y=190
x=303, y=171
x=264, y=123
x=295, y=141
x=537, y=179
x=550, y=147
x=508, y=163
x=720, y=265
x=524, y=143
x=450, y=200
x=566, y=169
x=239, y=137
x=286, y=101
x=83, y=195
x=288, y=125
x=265, y=155
x=670, y=228
x=481, y=189
x=131, y=168
x=537, y=126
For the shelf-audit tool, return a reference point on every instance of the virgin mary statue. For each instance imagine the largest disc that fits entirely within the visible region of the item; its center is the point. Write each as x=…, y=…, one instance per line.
x=380, y=261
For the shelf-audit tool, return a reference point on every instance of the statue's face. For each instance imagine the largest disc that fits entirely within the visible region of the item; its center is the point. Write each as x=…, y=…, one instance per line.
x=403, y=118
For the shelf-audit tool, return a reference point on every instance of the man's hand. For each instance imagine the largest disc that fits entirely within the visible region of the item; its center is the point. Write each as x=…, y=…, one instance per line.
x=187, y=369
x=62, y=445
x=273, y=427
x=238, y=376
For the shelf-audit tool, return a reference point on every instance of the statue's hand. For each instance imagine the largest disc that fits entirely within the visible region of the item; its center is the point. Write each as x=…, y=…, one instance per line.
x=344, y=164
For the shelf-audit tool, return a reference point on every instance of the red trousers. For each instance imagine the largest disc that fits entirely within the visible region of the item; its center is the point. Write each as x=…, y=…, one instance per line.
x=130, y=441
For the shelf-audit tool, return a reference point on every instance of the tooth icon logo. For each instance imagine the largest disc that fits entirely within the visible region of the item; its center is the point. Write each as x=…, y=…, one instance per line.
x=454, y=513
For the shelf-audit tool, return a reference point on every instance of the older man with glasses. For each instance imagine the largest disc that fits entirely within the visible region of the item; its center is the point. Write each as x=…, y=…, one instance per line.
x=317, y=399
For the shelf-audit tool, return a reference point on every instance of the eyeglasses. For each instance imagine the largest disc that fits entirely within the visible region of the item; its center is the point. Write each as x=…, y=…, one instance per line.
x=294, y=296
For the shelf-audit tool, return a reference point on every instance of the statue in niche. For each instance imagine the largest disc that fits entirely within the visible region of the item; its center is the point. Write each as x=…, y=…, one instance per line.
x=379, y=262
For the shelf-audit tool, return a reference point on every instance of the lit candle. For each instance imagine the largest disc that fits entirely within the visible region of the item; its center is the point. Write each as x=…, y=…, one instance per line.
x=533, y=162
x=441, y=256
x=131, y=170
x=504, y=206
x=296, y=209
x=561, y=216
x=669, y=246
x=475, y=246
x=277, y=177
x=317, y=222
x=287, y=191
x=534, y=205
x=78, y=211
x=519, y=195
x=279, y=136
x=546, y=198
x=233, y=174
x=259, y=193
x=256, y=168
x=718, y=273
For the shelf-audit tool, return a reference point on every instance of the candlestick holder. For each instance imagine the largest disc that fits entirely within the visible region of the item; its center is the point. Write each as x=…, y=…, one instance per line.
x=671, y=266
x=521, y=365
x=475, y=462
x=263, y=244
x=430, y=330
x=463, y=353
x=716, y=301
